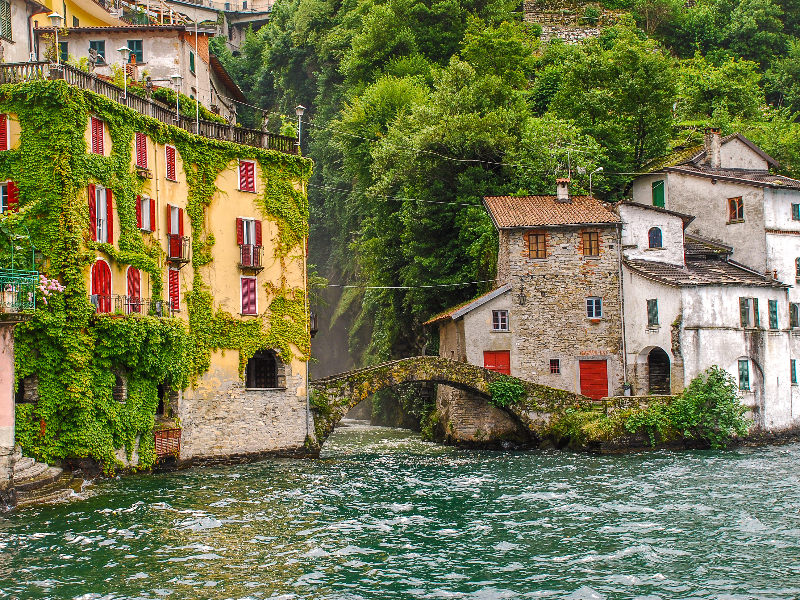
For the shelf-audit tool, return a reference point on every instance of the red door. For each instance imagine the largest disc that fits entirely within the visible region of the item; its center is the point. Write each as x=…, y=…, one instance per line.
x=594, y=378
x=101, y=286
x=497, y=360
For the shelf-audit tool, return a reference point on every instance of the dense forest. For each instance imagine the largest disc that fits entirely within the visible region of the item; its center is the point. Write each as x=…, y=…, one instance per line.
x=417, y=108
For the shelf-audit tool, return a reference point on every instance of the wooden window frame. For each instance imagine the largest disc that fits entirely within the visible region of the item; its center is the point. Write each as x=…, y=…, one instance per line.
x=590, y=241
x=735, y=210
x=749, y=317
x=772, y=309
x=555, y=366
x=536, y=244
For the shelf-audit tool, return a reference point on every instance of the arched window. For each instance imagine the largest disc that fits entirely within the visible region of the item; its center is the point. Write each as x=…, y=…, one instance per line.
x=262, y=370
x=101, y=286
x=654, y=236
x=133, y=302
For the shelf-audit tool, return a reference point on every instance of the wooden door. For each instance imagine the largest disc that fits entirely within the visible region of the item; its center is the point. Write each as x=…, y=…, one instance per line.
x=594, y=378
x=497, y=360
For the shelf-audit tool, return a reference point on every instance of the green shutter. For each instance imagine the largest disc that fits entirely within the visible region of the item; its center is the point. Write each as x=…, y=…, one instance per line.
x=793, y=316
x=756, y=316
x=658, y=193
x=795, y=212
x=652, y=313
x=744, y=305
x=773, y=314
x=744, y=375
x=191, y=61
x=793, y=364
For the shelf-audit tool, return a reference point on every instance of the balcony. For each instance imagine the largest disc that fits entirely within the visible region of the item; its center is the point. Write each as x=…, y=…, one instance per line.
x=114, y=304
x=17, y=290
x=32, y=71
x=178, y=247
x=250, y=258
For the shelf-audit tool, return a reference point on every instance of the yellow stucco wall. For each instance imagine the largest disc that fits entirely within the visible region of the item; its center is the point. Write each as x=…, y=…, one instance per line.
x=89, y=13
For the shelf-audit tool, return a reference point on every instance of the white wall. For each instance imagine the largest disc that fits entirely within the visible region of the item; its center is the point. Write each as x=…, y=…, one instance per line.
x=479, y=335
x=643, y=188
x=737, y=155
x=636, y=225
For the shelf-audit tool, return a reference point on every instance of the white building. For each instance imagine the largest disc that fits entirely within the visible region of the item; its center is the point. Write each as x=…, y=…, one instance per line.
x=16, y=27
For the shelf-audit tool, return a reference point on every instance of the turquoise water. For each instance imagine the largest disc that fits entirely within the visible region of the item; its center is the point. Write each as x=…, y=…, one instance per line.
x=384, y=515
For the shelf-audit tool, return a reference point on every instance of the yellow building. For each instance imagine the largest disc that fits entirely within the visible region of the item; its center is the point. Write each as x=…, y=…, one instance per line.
x=80, y=13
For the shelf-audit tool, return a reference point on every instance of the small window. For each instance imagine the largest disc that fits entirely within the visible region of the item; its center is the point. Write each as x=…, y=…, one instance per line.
x=99, y=46
x=137, y=53
x=735, y=210
x=795, y=212
x=793, y=368
x=9, y=197
x=75, y=21
x=591, y=243
x=499, y=320
x=748, y=312
x=147, y=212
x=537, y=245
x=191, y=61
x=652, y=313
x=5, y=19
x=4, y=207
x=594, y=308
x=555, y=366
x=773, y=314
x=658, y=193
x=654, y=237
x=794, y=315
x=98, y=128
x=247, y=176
x=103, y=214
x=141, y=150
x=63, y=51
x=744, y=374
x=170, y=154
x=262, y=371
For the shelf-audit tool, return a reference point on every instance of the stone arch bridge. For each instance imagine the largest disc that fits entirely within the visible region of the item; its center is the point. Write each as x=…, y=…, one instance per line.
x=332, y=397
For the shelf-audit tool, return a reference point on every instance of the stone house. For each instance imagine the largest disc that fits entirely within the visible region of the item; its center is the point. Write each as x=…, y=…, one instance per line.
x=689, y=306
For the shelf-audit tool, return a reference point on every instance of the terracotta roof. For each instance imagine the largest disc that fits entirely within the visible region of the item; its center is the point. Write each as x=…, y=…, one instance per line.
x=684, y=217
x=695, y=245
x=468, y=305
x=531, y=211
x=705, y=272
x=126, y=27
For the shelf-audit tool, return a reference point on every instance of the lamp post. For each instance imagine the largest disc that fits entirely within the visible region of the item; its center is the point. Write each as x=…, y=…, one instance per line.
x=125, y=52
x=55, y=21
x=597, y=170
x=176, y=79
x=299, y=110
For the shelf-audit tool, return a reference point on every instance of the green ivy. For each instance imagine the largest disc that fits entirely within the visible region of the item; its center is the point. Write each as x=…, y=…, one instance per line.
x=506, y=391
x=75, y=352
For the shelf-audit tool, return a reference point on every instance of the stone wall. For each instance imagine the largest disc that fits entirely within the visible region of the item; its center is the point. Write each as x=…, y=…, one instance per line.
x=567, y=20
x=469, y=420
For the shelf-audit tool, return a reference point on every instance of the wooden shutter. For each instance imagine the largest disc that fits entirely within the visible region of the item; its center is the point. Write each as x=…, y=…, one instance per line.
x=744, y=375
x=258, y=232
x=93, y=212
x=3, y=132
x=652, y=313
x=109, y=217
x=169, y=219
x=141, y=150
x=134, y=282
x=247, y=176
x=180, y=222
x=13, y=196
x=744, y=305
x=773, y=314
x=171, y=163
x=240, y=231
x=97, y=136
x=248, y=296
x=756, y=317
x=152, y=214
x=174, y=292
x=658, y=193
x=139, y=212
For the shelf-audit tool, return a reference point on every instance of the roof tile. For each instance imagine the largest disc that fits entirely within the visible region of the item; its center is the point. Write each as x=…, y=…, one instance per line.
x=532, y=211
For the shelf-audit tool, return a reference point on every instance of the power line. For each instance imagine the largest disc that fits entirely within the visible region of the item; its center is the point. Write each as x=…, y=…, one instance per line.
x=397, y=198
x=406, y=287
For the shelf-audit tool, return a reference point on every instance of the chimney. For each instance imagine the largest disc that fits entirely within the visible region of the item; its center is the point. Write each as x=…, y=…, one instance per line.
x=562, y=193
x=713, y=146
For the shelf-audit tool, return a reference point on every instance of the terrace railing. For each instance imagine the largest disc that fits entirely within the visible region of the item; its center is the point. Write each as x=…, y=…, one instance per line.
x=18, y=290
x=31, y=71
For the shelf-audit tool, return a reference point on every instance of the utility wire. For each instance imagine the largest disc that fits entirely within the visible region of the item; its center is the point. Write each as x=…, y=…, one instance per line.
x=405, y=287
x=397, y=198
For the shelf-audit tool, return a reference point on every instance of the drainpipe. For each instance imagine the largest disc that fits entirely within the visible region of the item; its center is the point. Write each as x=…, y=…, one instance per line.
x=308, y=325
x=622, y=309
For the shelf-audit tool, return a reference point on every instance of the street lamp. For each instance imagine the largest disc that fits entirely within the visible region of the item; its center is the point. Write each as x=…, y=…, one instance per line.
x=176, y=79
x=597, y=170
x=299, y=110
x=125, y=52
x=55, y=21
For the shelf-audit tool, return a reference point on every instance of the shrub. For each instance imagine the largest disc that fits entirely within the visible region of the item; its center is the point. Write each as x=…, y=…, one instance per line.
x=506, y=391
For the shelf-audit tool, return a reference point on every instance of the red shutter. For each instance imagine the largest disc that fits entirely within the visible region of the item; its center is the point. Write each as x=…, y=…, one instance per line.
x=245, y=296
x=152, y=214
x=97, y=136
x=180, y=222
x=141, y=150
x=92, y=212
x=3, y=132
x=258, y=232
x=171, y=163
x=169, y=219
x=174, y=292
x=13, y=196
x=134, y=282
x=101, y=285
x=139, y=212
x=240, y=231
x=109, y=217
x=253, y=296
x=497, y=360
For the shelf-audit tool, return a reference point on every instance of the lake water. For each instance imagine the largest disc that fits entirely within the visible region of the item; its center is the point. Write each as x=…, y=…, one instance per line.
x=385, y=515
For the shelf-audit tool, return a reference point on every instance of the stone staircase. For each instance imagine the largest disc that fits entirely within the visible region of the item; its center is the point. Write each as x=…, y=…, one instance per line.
x=36, y=482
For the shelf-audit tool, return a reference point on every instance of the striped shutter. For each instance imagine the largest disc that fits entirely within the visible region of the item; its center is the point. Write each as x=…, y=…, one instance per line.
x=240, y=231
x=109, y=217
x=652, y=313
x=174, y=292
x=92, y=211
x=247, y=176
x=97, y=136
x=13, y=196
x=3, y=132
x=139, y=212
x=773, y=314
x=171, y=163
x=248, y=296
x=169, y=219
x=258, y=232
x=180, y=222
x=141, y=150
x=152, y=214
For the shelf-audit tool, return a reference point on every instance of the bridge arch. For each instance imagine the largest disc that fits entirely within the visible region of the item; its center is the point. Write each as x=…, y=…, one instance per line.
x=332, y=397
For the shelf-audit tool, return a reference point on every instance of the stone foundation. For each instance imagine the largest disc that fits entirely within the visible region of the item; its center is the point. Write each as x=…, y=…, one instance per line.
x=467, y=419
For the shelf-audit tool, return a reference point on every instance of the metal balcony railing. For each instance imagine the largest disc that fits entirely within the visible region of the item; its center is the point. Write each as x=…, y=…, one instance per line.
x=250, y=257
x=130, y=305
x=18, y=290
x=135, y=305
x=178, y=247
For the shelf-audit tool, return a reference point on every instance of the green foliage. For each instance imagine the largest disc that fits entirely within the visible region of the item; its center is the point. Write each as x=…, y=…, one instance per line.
x=506, y=391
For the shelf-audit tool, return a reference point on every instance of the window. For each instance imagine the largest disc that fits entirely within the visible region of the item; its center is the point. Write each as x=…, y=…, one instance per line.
x=247, y=176
x=555, y=366
x=591, y=243
x=101, y=286
x=101, y=214
x=75, y=21
x=262, y=371
x=248, y=232
x=744, y=374
x=652, y=313
x=170, y=153
x=141, y=150
x=654, y=237
x=499, y=320
x=797, y=268
x=497, y=360
x=748, y=312
x=97, y=135
x=145, y=213
x=9, y=197
x=3, y=132
x=773, y=314
x=793, y=369
x=658, y=193
x=537, y=245
x=794, y=315
x=191, y=61
x=249, y=296
x=177, y=248
x=735, y=210
x=137, y=54
x=795, y=212
x=5, y=19
x=100, y=48
x=174, y=289
x=594, y=308
x=63, y=51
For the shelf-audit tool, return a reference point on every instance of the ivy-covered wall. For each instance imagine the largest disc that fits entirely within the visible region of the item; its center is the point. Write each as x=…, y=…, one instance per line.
x=75, y=352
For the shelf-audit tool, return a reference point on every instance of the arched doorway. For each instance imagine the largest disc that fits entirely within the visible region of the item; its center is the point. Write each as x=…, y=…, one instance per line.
x=658, y=370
